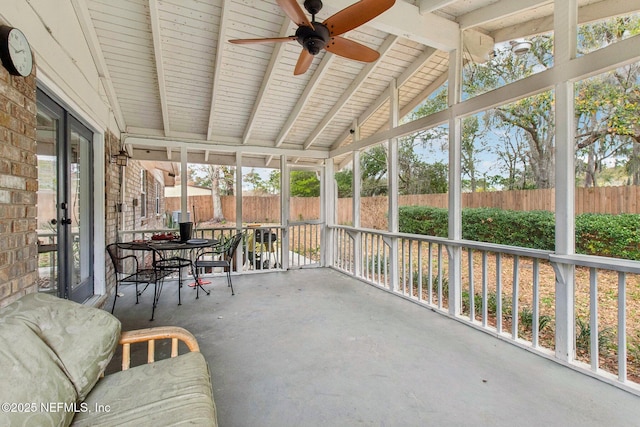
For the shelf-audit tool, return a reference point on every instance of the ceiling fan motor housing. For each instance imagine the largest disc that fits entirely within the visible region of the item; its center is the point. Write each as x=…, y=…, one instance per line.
x=313, y=6
x=313, y=39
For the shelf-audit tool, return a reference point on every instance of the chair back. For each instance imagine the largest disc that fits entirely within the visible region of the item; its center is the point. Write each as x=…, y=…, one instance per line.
x=230, y=251
x=116, y=259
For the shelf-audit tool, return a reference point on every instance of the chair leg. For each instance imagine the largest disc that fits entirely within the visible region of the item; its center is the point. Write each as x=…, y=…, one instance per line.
x=230, y=285
x=157, y=290
x=198, y=283
x=115, y=297
x=179, y=286
x=195, y=277
x=146, y=285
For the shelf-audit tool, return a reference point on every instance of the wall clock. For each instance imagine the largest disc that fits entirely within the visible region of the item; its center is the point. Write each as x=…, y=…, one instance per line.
x=15, y=51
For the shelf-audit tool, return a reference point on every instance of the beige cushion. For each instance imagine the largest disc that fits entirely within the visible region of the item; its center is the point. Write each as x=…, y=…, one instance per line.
x=84, y=338
x=173, y=391
x=31, y=375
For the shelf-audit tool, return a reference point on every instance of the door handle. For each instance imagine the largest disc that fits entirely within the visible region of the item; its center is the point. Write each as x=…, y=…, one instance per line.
x=66, y=221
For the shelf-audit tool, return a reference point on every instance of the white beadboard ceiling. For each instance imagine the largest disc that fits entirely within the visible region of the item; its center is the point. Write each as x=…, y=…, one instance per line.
x=173, y=78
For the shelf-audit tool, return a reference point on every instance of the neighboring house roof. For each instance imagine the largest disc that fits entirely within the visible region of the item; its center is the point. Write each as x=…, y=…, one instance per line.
x=192, y=190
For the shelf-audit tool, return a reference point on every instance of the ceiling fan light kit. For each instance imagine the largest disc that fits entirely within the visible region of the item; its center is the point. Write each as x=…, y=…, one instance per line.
x=315, y=36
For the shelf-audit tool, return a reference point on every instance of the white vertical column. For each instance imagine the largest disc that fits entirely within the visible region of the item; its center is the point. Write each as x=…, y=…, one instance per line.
x=357, y=189
x=455, y=182
x=328, y=208
x=392, y=174
x=184, y=181
x=238, y=191
x=284, y=210
x=565, y=40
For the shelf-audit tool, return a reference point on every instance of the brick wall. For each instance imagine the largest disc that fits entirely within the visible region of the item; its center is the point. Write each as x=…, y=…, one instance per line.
x=18, y=186
x=111, y=186
x=133, y=220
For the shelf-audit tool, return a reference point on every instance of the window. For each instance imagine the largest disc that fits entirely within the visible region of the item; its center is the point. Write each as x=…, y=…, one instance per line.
x=143, y=193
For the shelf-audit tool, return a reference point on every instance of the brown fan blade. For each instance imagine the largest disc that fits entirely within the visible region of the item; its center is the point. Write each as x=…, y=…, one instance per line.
x=294, y=12
x=273, y=40
x=304, y=61
x=352, y=50
x=356, y=15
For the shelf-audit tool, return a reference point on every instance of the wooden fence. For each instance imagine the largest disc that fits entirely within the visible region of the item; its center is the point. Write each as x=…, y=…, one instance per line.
x=612, y=200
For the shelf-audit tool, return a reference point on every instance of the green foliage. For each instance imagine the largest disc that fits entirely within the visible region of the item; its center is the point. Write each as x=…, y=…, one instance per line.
x=492, y=305
x=423, y=220
x=377, y=262
x=344, y=178
x=615, y=236
x=256, y=182
x=477, y=303
x=526, y=319
x=609, y=235
x=273, y=182
x=434, y=283
x=633, y=348
x=373, y=168
x=534, y=229
x=606, y=338
x=304, y=184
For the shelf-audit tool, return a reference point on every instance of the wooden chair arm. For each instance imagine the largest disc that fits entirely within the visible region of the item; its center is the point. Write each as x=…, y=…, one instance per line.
x=150, y=335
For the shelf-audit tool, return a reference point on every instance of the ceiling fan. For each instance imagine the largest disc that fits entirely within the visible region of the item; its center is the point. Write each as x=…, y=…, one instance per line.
x=314, y=36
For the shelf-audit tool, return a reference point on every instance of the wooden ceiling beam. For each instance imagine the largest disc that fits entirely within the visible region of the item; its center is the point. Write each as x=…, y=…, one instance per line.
x=157, y=53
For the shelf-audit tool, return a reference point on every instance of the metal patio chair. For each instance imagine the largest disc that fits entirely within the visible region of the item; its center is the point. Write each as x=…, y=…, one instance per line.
x=128, y=270
x=218, y=256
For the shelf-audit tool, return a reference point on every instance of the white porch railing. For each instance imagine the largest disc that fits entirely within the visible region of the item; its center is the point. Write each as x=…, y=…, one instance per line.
x=302, y=246
x=509, y=292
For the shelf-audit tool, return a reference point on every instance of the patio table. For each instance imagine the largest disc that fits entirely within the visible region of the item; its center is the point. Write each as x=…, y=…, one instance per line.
x=170, y=263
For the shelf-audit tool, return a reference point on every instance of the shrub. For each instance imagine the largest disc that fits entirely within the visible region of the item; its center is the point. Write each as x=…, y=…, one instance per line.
x=533, y=229
x=423, y=220
x=615, y=236
x=609, y=235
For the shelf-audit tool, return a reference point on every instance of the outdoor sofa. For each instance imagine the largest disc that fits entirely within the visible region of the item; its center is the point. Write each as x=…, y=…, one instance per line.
x=53, y=354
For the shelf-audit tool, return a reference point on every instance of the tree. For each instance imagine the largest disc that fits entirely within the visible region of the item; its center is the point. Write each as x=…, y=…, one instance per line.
x=607, y=106
x=373, y=169
x=522, y=134
x=472, y=144
x=228, y=182
x=304, y=184
x=208, y=176
x=531, y=118
x=416, y=176
x=255, y=180
x=344, y=179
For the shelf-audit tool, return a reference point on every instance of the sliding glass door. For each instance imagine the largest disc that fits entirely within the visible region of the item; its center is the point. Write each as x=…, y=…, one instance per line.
x=65, y=209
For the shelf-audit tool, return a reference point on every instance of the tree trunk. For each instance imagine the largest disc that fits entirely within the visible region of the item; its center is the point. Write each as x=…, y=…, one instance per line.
x=215, y=194
x=635, y=162
x=590, y=173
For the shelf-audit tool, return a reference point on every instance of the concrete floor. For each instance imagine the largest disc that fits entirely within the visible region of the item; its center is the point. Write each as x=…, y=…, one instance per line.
x=314, y=347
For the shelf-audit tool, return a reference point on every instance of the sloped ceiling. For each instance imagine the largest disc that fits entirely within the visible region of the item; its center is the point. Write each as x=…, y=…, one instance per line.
x=173, y=78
